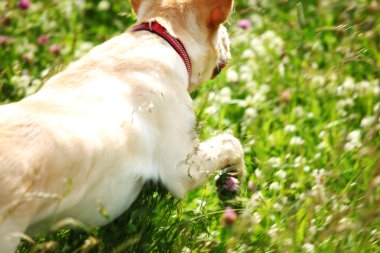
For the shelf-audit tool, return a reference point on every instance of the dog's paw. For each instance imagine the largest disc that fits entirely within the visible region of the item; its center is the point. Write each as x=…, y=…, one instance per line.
x=232, y=155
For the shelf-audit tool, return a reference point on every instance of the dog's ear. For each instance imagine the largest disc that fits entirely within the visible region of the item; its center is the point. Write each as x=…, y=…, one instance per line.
x=136, y=5
x=220, y=10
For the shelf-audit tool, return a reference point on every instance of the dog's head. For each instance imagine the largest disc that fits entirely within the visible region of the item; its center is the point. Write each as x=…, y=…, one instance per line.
x=198, y=24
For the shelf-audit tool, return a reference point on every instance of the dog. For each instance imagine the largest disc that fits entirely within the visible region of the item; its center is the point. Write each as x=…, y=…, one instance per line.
x=114, y=119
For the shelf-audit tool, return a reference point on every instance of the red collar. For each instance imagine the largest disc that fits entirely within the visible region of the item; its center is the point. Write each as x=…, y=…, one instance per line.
x=155, y=27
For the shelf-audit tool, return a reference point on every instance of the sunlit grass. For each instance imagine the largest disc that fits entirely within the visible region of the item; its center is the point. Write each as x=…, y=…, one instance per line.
x=302, y=94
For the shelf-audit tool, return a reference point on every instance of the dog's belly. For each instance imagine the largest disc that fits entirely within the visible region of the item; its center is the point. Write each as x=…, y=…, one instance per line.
x=93, y=206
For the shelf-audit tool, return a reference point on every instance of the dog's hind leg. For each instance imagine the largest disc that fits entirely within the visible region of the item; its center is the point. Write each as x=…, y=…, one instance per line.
x=11, y=231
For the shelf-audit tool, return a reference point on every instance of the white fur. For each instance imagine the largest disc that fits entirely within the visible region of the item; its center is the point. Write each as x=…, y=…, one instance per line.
x=99, y=130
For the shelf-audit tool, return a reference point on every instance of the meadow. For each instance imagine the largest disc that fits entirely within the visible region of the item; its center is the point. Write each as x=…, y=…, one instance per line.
x=302, y=93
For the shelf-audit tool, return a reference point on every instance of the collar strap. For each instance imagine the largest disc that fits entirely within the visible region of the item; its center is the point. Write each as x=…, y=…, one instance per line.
x=155, y=27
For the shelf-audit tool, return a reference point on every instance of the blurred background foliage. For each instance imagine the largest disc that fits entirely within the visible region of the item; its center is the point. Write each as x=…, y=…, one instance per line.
x=301, y=92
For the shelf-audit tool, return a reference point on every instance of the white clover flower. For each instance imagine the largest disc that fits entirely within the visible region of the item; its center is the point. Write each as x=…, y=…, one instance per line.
x=274, y=162
x=186, y=250
x=296, y=141
x=308, y=247
x=345, y=223
x=269, y=35
x=364, y=87
x=211, y=96
x=288, y=156
x=232, y=76
x=348, y=102
x=347, y=87
x=104, y=5
x=277, y=45
x=376, y=181
x=353, y=140
x=277, y=111
x=318, y=80
x=22, y=81
x=273, y=231
x=284, y=200
x=281, y=69
x=244, y=69
x=225, y=95
x=256, y=218
x=257, y=20
x=277, y=207
x=36, y=82
x=68, y=7
x=200, y=206
x=290, y=128
x=322, y=134
x=306, y=168
x=317, y=46
x=258, y=47
x=241, y=103
x=312, y=230
x=294, y=186
x=253, y=202
x=298, y=111
x=376, y=90
x=333, y=77
x=258, y=98
x=264, y=88
x=319, y=175
x=271, y=139
x=245, y=77
x=251, y=85
x=44, y=72
x=33, y=87
x=322, y=145
x=27, y=48
x=251, y=113
x=300, y=161
x=275, y=186
x=342, y=113
x=211, y=110
x=83, y=49
x=245, y=73
x=248, y=145
x=367, y=122
x=258, y=173
x=248, y=54
x=281, y=174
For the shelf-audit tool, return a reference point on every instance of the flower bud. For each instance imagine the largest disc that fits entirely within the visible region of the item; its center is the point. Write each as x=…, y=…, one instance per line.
x=24, y=4
x=245, y=24
x=54, y=49
x=229, y=216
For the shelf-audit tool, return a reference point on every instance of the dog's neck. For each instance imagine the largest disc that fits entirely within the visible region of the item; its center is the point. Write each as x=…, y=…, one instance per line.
x=196, y=41
x=154, y=27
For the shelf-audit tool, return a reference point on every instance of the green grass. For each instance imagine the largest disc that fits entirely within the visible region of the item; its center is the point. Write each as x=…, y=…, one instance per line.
x=301, y=92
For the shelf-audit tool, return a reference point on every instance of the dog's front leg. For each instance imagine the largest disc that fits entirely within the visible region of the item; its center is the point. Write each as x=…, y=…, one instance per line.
x=213, y=155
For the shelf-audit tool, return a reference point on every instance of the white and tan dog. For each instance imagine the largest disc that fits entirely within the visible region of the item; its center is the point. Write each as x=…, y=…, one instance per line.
x=114, y=119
